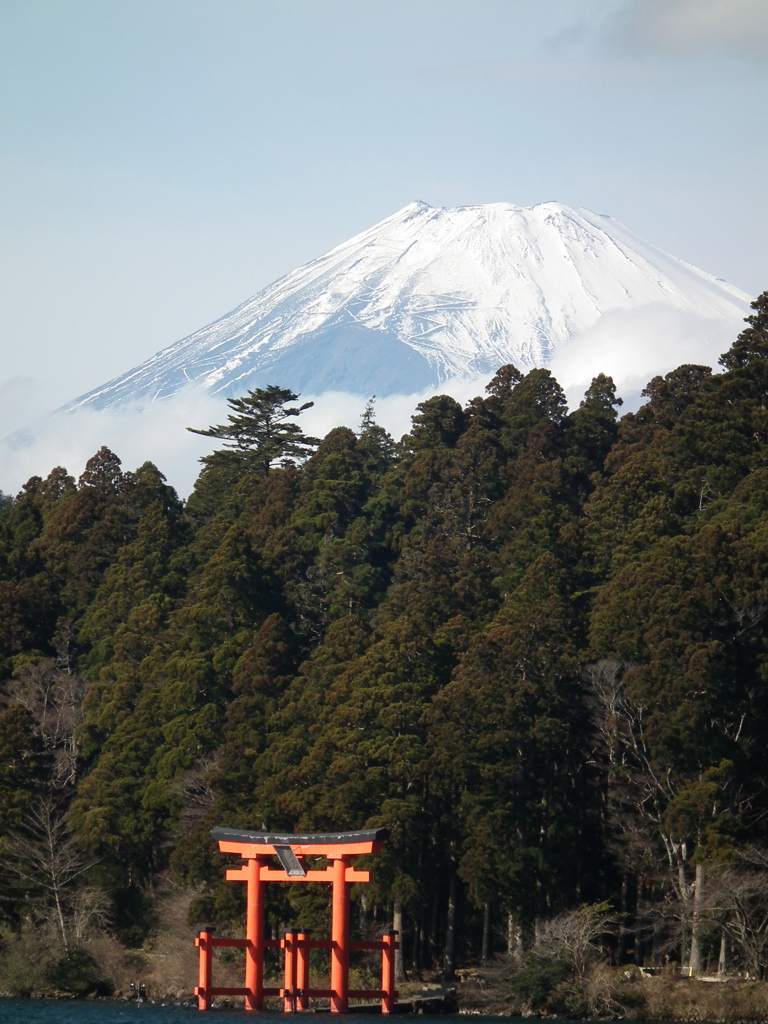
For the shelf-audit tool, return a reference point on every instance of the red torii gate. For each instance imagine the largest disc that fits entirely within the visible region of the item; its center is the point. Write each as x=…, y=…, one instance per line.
x=257, y=850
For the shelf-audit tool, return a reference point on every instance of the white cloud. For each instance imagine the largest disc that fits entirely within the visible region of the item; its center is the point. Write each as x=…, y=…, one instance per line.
x=739, y=26
x=157, y=432
x=630, y=346
x=634, y=346
x=135, y=433
x=393, y=412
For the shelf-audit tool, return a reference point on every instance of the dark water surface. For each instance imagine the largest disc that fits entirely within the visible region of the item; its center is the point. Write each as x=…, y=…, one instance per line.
x=52, y=1011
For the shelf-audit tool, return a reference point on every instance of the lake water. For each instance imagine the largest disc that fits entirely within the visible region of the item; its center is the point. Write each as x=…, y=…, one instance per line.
x=52, y=1011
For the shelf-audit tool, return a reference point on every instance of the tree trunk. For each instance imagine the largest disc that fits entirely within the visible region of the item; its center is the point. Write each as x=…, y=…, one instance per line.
x=449, y=956
x=363, y=915
x=418, y=941
x=423, y=943
x=62, y=926
x=625, y=928
x=694, y=964
x=684, y=932
x=434, y=933
x=486, y=947
x=514, y=935
x=397, y=924
x=641, y=937
x=722, y=959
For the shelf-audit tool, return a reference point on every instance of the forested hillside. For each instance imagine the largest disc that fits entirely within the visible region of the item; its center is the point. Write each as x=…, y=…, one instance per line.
x=530, y=642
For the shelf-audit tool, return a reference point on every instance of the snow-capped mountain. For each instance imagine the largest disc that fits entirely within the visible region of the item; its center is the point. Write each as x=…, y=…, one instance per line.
x=429, y=294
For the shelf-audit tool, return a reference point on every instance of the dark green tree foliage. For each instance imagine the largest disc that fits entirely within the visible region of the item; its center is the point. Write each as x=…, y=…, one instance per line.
x=377, y=445
x=511, y=744
x=531, y=643
x=29, y=605
x=261, y=676
x=261, y=431
x=751, y=346
x=6, y=504
x=24, y=766
x=437, y=424
x=151, y=568
x=593, y=427
x=258, y=433
x=86, y=528
x=535, y=399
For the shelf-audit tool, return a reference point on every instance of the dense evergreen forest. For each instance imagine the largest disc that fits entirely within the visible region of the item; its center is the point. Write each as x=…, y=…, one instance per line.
x=530, y=642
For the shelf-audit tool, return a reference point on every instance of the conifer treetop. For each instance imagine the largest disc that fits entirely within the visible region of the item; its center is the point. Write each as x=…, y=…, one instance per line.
x=260, y=430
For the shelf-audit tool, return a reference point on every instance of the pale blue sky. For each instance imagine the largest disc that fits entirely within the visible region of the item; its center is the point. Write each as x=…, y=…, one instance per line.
x=162, y=160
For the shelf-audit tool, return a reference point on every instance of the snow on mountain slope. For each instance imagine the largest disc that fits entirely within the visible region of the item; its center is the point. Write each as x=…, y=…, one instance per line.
x=429, y=294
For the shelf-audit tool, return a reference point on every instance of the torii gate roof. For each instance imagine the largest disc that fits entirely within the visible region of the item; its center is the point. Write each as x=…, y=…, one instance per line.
x=250, y=844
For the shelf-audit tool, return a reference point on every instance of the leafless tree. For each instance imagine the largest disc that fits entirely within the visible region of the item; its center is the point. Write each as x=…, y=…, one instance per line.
x=571, y=940
x=194, y=788
x=639, y=795
x=53, y=695
x=737, y=899
x=41, y=863
x=574, y=934
x=89, y=906
x=621, y=734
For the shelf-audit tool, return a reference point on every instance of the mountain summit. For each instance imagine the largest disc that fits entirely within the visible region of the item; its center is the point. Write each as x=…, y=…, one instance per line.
x=427, y=294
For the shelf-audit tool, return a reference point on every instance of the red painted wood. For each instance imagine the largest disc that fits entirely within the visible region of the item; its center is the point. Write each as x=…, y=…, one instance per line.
x=254, y=934
x=248, y=850
x=340, y=938
x=203, y=988
x=258, y=869
x=302, y=970
x=389, y=995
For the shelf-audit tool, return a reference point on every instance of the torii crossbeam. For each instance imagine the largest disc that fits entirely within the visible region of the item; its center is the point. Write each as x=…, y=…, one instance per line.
x=257, y=850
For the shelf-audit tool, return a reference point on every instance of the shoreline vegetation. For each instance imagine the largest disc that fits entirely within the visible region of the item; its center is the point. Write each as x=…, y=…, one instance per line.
x=531, y=643
x=624, y=994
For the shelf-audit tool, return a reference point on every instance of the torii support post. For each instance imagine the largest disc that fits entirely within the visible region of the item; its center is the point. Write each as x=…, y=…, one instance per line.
x=388, y=993
x=256, y=849
x=340, y=937
x=203, y=990
x=254, y=934
x=290, y=964
x=302, y=970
